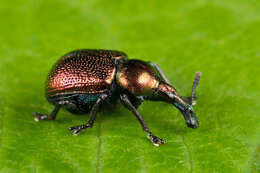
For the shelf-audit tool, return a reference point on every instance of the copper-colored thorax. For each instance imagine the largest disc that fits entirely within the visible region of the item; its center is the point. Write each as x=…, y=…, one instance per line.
x=82, y=72
x=137, y=77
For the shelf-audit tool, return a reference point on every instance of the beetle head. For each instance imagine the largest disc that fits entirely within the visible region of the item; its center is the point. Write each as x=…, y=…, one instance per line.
x=140, y=79
x=167, y=93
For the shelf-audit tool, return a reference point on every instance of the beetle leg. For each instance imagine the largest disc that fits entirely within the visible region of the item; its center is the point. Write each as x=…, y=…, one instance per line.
x=93, y=113
x=159, y=70
x=154, y=139
x=51, y=116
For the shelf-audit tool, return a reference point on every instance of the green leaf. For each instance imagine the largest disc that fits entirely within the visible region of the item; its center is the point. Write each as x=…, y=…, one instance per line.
x=219, y=38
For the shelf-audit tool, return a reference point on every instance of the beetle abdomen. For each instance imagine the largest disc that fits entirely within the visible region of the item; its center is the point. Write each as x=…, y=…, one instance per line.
x=83, y=71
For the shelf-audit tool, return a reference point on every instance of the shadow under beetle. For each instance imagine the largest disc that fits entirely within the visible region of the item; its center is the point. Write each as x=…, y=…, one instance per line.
x=82, y=80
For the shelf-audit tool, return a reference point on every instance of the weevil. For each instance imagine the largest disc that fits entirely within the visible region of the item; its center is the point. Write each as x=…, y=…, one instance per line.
x=84, y=80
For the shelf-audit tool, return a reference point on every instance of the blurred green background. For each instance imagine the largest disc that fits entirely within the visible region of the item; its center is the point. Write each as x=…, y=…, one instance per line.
x=220, y=38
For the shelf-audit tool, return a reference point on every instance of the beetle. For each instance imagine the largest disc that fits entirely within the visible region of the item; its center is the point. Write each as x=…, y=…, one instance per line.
x=83, y=80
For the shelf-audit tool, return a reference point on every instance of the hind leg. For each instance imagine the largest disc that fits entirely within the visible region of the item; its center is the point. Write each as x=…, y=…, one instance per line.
x=51, y=116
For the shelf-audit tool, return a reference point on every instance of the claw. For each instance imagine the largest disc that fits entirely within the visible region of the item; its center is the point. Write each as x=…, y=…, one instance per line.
x=38, y=117
x=77, y=129
x=76, y=132
x=155, y=140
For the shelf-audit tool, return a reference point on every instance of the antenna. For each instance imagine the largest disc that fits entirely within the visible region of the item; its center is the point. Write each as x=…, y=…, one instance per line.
x=194, y=86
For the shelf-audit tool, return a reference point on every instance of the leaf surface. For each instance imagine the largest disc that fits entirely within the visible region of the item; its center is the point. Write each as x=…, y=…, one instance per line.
x=219, y=38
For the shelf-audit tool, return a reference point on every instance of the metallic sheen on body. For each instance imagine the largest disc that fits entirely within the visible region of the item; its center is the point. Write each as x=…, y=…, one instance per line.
x=83, y=71
x=137, y=77
x=83, y=81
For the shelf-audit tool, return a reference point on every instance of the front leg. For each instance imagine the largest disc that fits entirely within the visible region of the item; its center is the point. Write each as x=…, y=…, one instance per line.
x=154, y=139
x=93, y=113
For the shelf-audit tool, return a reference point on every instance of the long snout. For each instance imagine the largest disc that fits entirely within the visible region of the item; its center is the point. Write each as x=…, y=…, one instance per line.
x=191, y=119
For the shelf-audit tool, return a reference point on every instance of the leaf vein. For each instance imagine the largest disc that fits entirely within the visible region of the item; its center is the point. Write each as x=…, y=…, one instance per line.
x=189, y=154
x=257, y=159
x=99, y=154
